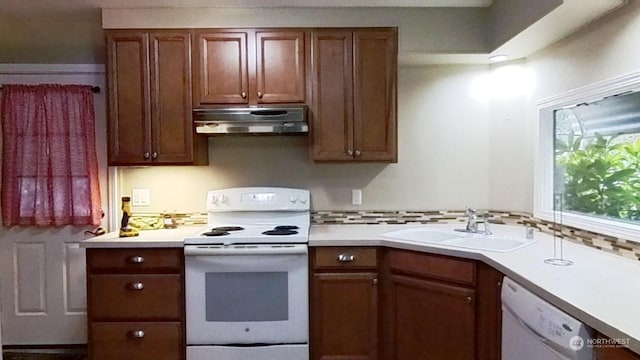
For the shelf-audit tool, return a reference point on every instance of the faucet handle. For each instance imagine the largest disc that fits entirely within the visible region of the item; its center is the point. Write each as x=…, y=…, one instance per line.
x=469, y=211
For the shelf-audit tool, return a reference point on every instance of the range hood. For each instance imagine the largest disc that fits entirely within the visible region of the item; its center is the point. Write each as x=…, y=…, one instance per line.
x=253, y=120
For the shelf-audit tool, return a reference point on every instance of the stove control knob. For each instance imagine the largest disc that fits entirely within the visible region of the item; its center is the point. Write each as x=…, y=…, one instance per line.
x=224, y=199
x=214, y=200
x=293, y=199
x=302, y=198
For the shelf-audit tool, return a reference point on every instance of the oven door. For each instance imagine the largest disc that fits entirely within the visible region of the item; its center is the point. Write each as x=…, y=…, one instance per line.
x=254, y=294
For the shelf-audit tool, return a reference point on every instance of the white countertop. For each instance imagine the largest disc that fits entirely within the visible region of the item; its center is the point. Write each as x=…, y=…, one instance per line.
x=600, y=289
x=146, y=238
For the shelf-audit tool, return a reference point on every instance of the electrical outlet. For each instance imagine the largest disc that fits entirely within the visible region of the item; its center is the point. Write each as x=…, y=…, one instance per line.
x=356, y=197
x=140, y=197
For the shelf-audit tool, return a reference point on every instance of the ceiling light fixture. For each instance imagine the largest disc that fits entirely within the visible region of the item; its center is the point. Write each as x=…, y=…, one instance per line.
x=498, y=58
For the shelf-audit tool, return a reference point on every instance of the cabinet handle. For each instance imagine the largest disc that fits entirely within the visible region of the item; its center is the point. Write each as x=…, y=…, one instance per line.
x=350, y=153
x=243, y=94
x=356, y=153
x=259, y=94
x=135, y=259
x=136, y=334
x=468, y=299
x=346, y=258
x=135, y=286
x=375, y=281
x=146, y=155
x=154, y=155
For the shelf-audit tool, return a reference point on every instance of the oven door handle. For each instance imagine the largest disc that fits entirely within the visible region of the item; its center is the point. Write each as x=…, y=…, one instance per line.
x=200, y=251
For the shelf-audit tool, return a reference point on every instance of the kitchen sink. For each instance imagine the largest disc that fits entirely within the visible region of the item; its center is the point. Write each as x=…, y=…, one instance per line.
x=464, y=240
x=420, y=235
x=489, y=243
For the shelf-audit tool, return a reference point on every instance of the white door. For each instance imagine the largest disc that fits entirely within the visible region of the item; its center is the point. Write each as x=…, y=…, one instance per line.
x=42, y=270
x=43, y=282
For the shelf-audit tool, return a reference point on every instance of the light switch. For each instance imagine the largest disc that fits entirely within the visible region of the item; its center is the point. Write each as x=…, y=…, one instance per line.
x=140, y=197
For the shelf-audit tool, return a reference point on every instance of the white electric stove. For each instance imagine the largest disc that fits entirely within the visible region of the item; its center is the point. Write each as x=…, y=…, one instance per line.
x=246, y=276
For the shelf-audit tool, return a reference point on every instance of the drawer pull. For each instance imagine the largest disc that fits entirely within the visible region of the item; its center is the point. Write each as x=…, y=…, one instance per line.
x=135, y=286
x=346, y=258
x=469, y=299
x=135, y=259
x=136, y=334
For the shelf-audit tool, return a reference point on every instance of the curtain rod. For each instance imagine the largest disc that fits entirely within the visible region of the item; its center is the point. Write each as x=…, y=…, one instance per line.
x=95, y=89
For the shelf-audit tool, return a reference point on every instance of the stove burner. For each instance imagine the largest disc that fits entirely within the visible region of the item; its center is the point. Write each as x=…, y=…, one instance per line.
x=277, y=231
x=215, y=232
x=227, y=228
x=286, y=227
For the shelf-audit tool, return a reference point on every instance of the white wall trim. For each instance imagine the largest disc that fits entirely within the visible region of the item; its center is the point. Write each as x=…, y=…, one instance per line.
x=591, y=92
x=543, y=162
x=114, y=186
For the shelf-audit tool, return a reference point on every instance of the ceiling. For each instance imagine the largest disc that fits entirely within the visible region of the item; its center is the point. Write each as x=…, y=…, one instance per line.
x=70, y=31
x=28, y=8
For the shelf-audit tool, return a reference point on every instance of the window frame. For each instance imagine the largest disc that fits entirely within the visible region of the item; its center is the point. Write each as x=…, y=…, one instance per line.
x=544, y=155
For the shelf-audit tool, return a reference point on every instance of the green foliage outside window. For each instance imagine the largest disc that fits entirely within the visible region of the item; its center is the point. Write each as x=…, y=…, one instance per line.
x=600, y=175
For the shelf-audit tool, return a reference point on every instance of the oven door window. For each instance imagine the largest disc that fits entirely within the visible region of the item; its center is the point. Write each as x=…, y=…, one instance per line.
x=247, y=296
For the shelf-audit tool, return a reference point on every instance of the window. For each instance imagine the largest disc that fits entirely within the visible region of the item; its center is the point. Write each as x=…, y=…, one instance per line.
x=49, y=163
x=589, y=157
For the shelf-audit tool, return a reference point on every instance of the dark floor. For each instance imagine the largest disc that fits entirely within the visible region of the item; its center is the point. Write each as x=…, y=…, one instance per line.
x=32, y=355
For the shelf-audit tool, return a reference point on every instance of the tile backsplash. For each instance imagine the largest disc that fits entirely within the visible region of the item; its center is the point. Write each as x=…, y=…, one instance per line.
x=623, y=247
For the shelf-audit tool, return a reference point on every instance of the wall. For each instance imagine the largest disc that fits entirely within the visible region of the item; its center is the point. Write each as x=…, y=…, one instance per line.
x=454, y=149
x=601, y=50
x=443, y=157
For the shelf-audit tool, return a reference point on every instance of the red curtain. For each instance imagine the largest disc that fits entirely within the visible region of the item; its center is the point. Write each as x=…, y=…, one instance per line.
x=49, y=163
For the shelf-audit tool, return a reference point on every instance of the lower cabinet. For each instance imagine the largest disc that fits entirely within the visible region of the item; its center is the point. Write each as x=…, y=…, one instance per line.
x=615, y=354
x=389, y=304
x=430, y=320
x=136, y=340
x=344, y=309
x=135, y=304
x=608, y=352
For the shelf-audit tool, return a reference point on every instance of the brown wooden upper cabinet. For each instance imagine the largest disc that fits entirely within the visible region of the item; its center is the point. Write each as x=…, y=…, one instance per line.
x=249, y=67
x=149, y=80
x=354, y=87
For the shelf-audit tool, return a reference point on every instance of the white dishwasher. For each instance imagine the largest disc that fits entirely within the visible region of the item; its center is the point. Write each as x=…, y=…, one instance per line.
x=533, y=329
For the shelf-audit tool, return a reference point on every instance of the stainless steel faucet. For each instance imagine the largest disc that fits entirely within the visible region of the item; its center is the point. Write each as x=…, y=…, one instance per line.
x=472, y=222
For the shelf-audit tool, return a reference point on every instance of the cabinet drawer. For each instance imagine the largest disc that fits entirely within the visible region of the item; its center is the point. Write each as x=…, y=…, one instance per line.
x=345, y=257
x=437, y=267
x=117, y=341
x=134, y=260
x=135, y=297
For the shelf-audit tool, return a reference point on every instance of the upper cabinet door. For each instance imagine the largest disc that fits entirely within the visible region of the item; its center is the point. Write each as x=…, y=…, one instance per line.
x=332, y=105
x=129, y=99
x=149, y=77
x=280, y=67
x=221, y=72
x=172, y=128
x=374, y=95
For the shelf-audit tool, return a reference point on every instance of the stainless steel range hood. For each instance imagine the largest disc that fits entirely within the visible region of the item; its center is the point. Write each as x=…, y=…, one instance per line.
x=256, y=120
